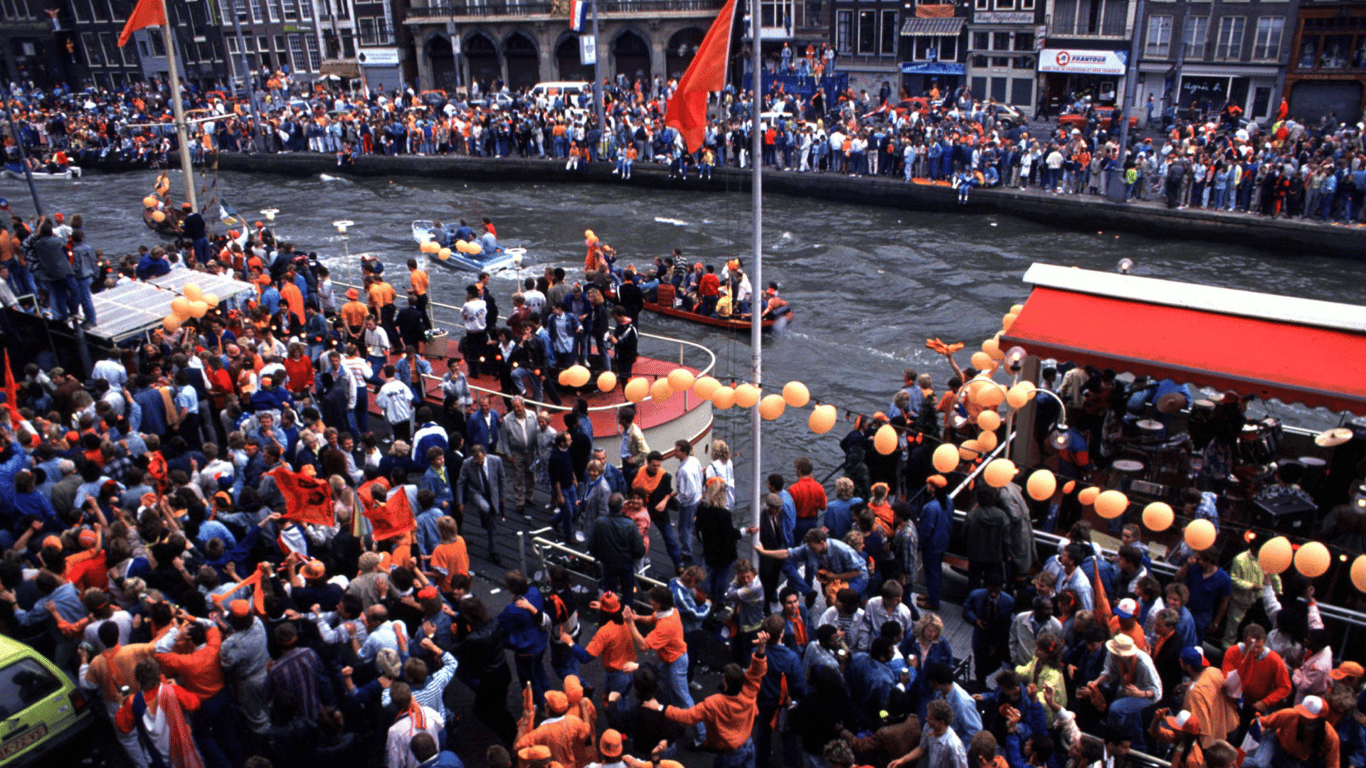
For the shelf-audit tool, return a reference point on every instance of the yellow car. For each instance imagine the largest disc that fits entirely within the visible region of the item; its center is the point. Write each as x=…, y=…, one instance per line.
x=40, y=707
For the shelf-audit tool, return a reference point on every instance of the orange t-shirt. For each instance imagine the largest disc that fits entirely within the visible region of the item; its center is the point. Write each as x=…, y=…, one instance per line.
x=1136, y=632
x=667, y=638
x=290, y=293
x=613, y=645
x=382, y=294
x=353, y=313
x=451, y=558
x=420, y=281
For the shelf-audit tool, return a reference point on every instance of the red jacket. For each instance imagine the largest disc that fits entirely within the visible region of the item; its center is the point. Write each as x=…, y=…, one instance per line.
x=709, y=285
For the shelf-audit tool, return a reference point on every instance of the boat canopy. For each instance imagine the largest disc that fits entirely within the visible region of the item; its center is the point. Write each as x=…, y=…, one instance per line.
x=1294, y=350
x=134, y=308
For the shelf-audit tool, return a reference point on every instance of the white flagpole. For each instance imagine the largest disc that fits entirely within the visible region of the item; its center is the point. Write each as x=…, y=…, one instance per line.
x=756, y=330
x=182, y=134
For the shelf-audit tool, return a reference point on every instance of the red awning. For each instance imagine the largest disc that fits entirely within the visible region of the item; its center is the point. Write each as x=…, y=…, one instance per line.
x=1197, y=335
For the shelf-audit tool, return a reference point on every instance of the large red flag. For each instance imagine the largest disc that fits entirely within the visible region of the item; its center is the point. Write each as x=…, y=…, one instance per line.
x=307, y=498
x=148, y=13
x=394, y=518
x=687, y=110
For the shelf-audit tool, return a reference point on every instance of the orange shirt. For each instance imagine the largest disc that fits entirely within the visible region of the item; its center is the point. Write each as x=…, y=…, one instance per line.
x=451, y=558
x=729, y=719
x=353, y=313
x=381, y=295
x=112, y=669
x=613, y=645
x=290, y=293
x=666, y=639
x=199, y=672
x=420, y=281
x=1135, y=632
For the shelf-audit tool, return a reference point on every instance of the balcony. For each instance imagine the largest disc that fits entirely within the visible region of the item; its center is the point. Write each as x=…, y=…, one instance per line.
x=482, y=9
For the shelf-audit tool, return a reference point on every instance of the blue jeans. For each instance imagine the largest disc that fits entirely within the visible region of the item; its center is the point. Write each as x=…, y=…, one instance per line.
x=531, y=669
x=717, y=581
x=686, y=513
x=675, y=680
x=527, y=382
x=362, y=410
x=83, y=285
x=564, y=514
x=740, y=757
x=934, y=576
x=621, y=581
x=803, y=525
x=1126, y=713
x=201, y=250
x=63, y=297
x=666, y=528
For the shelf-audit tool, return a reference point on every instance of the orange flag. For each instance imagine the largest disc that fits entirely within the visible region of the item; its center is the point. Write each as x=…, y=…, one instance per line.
x=394, y=517
x=11, y=394
x=687, y=109
x=148, y=13
x=307, y=499
x=1100, y=602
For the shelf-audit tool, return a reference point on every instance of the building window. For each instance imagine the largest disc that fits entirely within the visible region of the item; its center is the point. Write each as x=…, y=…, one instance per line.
x=1022, y=91
x=844, y=41
x=306, y=10
x=775, y=14
x=111, y=49
x=1105, y=18
x=315, y=59
x=982, y=5
x=1026, y=5
x=367, y=31
x=291, y=11
x=93, y=55
x=1000, y=41
x=101, y=10
x=890, y=33
x=1196, y=35
x=1005, y=5
x=79, y=9
x=1024, y=41
x=1159, y=37
x=1230, y=45
x=297, y=55
x=867, y=32
x=981, y=41
x=273, y=6
x=1267, y=46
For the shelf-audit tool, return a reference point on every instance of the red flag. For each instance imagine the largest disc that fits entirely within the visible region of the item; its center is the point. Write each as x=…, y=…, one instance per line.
x=394, y=518
x=1100, y=602
x=148, y=13
x=307, y=498
x=687, y=109
x=11, y=394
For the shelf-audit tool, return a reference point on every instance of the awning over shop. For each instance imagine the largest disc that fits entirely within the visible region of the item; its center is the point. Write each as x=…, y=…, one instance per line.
x=1294, y=350
x=340, y=68
x=932, y=27
x=931, y=68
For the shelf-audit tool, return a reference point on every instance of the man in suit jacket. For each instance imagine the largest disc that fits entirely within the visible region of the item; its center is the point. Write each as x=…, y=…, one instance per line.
x=481, y=488
x=482, y=427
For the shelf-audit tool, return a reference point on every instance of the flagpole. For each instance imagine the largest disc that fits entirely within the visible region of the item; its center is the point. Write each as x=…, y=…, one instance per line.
x=597, y=86
x=756, y=331
x=182, y=134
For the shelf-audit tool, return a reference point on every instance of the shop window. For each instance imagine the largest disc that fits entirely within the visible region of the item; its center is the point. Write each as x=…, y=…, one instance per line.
x=979, y=86
x=1022, y=91
x=1336, y=51
x=998, y=88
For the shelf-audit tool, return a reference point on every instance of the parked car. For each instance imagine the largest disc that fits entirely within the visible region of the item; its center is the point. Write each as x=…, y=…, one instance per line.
x=40, y=707
x=1104, y=116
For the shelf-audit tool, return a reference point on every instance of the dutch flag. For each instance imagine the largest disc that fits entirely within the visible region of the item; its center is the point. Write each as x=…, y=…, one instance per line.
x=578, y=15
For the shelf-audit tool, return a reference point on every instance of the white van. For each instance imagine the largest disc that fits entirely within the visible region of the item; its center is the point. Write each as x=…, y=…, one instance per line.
x=575, y=91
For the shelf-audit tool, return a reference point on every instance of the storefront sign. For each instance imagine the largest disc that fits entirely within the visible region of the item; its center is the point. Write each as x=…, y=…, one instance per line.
x=1071, y=60
x=1003, y=17
x=378, y=57
x=1212, y=90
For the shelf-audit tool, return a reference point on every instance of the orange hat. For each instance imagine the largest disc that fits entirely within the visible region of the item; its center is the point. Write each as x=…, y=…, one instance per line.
x=1184, y=721
x=313, y=569
x=73, y=436
x=352, y=294
x=609, y=603
x=573, y=689
x=263, y=279
x=52, y=541
x=239, y=608
x=537, y=753
x=1347, y=669
x=1313, y=707
x=556, y=702
x=186, y=207
x=427, y=592
x=937, y=481
x=89, y=539
x=610, y=744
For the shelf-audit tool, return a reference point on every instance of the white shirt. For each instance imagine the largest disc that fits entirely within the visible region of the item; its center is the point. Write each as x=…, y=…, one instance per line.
x=726, y=471
x=688, y=482
x=111, y=372
x=397, y=401
x=475, y=315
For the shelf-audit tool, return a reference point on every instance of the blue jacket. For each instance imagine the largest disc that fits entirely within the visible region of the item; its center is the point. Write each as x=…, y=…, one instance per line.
x=935, y=525
x=524, y=632
x=18, y=460
x=477, y=432
x=977, y=606
x=782, y=662
x=689, y=612
x=870, y=682
x=428, y=537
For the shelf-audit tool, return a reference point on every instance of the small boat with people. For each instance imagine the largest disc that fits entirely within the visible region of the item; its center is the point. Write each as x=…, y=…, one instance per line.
x=665, y=304
x=455, y=246
x=49, y=172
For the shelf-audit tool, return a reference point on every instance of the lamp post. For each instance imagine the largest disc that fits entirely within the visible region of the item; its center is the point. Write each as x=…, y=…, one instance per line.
x=342, y=225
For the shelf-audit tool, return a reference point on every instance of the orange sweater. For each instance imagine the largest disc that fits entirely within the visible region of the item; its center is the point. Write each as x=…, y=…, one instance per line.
x=729, y=719
x=564, y=736
x=613, y=645
x=666, y=639
x=199, y=672
x=1286, y=723
x=113, y=669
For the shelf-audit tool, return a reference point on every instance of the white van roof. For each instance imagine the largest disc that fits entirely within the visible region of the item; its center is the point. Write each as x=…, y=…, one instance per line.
x=561, y=86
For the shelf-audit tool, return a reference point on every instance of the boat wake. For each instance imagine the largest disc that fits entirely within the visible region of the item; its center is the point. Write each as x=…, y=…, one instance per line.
x=330, y=177
x=675, y=222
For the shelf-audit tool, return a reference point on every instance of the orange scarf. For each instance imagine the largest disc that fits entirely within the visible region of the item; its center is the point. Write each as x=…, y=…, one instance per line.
x=643, y=480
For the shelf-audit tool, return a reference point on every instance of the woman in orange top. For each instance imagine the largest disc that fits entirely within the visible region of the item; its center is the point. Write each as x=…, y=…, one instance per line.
x=450, y=556
x=880, y=506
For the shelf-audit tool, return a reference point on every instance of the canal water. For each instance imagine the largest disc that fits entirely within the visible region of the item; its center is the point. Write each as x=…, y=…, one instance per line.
x=868, y=284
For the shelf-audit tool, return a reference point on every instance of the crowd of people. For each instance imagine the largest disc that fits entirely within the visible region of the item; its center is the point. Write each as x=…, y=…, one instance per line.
x=1278, y=167
x=155, y=549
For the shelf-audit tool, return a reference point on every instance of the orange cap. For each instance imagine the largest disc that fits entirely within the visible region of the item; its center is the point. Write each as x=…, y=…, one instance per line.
x=239, y=608
x=937, y=481
x=610, y=745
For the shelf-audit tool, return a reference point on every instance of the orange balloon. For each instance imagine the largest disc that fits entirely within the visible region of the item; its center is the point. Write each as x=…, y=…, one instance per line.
x=746, y=395
x=1200, y=535
x=681, y=379
x=607, y=381
x=999, y=473
x=884, y=440
x=991, y=396
x=987, y=441
x=1312, y=560
x=1276, y=555
x=637, y=389
x=1087, y=496
x=1041, y=485
x=796, y=394
x=705, y=387
x=981, y=361
x=970, y=450
x=1359, y=572
x=723, y=398
x=1111, y=504
x=945, y=458
x=660, y=391
x=822, y=419
x=989, y=421
x=1158, y=516
x=772, y=407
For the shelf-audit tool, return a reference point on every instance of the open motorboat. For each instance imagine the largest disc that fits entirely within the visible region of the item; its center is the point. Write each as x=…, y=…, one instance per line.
x=494, y=261
x=16, y=171
x=664, y=305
